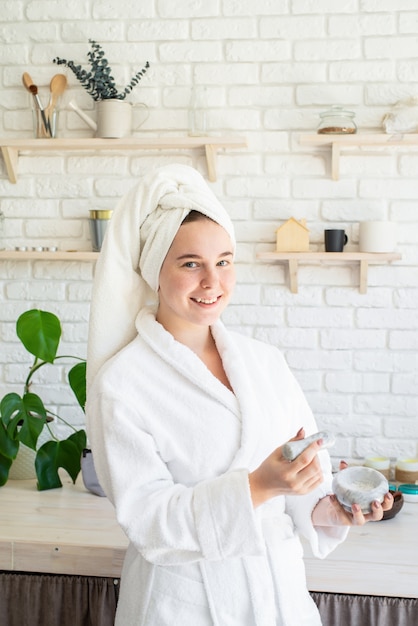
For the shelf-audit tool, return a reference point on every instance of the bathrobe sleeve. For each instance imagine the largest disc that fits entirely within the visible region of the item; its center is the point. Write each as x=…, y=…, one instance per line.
x=323, y=540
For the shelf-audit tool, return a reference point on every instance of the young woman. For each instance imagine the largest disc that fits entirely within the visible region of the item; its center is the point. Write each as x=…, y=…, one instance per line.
x=187, y=421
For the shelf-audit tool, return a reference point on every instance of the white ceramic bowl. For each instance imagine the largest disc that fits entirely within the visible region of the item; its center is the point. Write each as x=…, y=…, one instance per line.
x=359, y=485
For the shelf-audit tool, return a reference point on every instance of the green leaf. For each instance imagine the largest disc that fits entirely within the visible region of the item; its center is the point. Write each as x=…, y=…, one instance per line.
x=8, y=451
x=46, y=466
x=8, y=445
x=40, y=333
x=55, y=454
x=79, y=438
x=77, y=380
x=28, y=412
x=5, y=464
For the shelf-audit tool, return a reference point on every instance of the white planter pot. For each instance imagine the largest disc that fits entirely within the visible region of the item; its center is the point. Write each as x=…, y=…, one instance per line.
x=23, y=467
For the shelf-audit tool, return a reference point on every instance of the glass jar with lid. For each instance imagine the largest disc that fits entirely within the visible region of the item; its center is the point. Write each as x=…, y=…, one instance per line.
x=337, y=121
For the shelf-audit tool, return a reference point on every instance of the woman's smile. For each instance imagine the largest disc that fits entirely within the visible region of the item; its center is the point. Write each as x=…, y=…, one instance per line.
x=206, y=300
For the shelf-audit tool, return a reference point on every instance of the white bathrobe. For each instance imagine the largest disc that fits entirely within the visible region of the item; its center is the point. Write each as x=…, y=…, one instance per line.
x=173, y=447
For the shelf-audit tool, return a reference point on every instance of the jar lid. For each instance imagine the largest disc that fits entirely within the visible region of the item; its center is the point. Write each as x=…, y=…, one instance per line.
x=378, y=462
x=407, y=465
x=101, y=214
x=337, y=111
x=409, y=488
x=410, y=492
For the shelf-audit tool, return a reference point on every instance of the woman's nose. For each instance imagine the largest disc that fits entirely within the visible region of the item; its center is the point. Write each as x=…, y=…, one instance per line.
x=208, y=279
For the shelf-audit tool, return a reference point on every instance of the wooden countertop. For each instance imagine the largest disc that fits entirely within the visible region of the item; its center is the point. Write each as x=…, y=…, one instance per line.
x=379, y=559
x=59, y=531
x=71, y=531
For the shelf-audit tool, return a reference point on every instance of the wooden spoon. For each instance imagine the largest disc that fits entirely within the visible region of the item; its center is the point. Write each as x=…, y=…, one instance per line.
x=57, y=86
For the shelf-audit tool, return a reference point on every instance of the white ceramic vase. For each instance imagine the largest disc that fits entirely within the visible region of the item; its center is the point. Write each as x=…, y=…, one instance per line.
x=23, y=467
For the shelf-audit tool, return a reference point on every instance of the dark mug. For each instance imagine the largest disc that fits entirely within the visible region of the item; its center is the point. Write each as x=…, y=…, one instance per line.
x=335, y=240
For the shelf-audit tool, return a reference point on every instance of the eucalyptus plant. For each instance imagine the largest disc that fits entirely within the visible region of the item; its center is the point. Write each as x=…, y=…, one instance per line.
x=98, y=81
x=22, y=418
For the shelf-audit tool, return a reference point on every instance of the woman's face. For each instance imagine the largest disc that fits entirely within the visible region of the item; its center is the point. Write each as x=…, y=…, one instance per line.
x=197, y=277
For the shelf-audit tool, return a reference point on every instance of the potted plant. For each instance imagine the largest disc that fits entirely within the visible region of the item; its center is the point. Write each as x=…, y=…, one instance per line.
x=100, y=85
x=23, y=418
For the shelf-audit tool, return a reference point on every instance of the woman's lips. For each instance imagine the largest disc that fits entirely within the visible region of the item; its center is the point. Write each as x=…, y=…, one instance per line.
x=206, y=300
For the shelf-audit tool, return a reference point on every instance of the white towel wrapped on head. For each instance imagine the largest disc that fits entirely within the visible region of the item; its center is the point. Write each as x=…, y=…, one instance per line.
x=137, y=240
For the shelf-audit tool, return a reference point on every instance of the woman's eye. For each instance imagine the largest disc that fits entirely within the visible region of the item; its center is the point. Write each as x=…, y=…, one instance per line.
x=223, y=263
x=190, y=264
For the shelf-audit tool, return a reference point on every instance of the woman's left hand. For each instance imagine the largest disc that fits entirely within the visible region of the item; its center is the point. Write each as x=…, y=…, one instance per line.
x=329, y=512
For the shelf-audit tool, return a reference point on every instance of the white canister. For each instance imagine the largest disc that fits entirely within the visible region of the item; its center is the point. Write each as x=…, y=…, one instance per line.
x=377, y=236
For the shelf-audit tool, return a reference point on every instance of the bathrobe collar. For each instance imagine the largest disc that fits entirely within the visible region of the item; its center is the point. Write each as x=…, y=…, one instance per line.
x=242, y=402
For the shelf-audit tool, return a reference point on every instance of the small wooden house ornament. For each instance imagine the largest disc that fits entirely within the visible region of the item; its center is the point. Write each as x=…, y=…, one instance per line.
x=292, y=236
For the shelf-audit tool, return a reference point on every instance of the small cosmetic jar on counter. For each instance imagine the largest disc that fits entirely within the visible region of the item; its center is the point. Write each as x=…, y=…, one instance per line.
x=379, y=463
x=409, y=492
x=406, y=471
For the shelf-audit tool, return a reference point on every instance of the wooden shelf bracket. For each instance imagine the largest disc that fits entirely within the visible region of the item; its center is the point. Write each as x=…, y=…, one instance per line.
x=335, y=161
x=11, y=158
x=364, y=269
x=293, y=275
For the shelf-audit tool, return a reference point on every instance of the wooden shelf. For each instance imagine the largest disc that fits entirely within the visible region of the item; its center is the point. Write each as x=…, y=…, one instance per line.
x=341, y=142
x=11, y=148
x=60, y=255
x=294, y=258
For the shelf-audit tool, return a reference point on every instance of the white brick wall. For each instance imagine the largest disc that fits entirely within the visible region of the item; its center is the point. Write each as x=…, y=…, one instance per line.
x=268, y=75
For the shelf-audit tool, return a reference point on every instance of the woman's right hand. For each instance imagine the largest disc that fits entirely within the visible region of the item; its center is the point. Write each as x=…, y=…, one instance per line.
x=278, y=477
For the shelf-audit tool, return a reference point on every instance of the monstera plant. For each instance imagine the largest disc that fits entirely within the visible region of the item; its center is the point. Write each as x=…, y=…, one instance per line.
x=24, y=417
